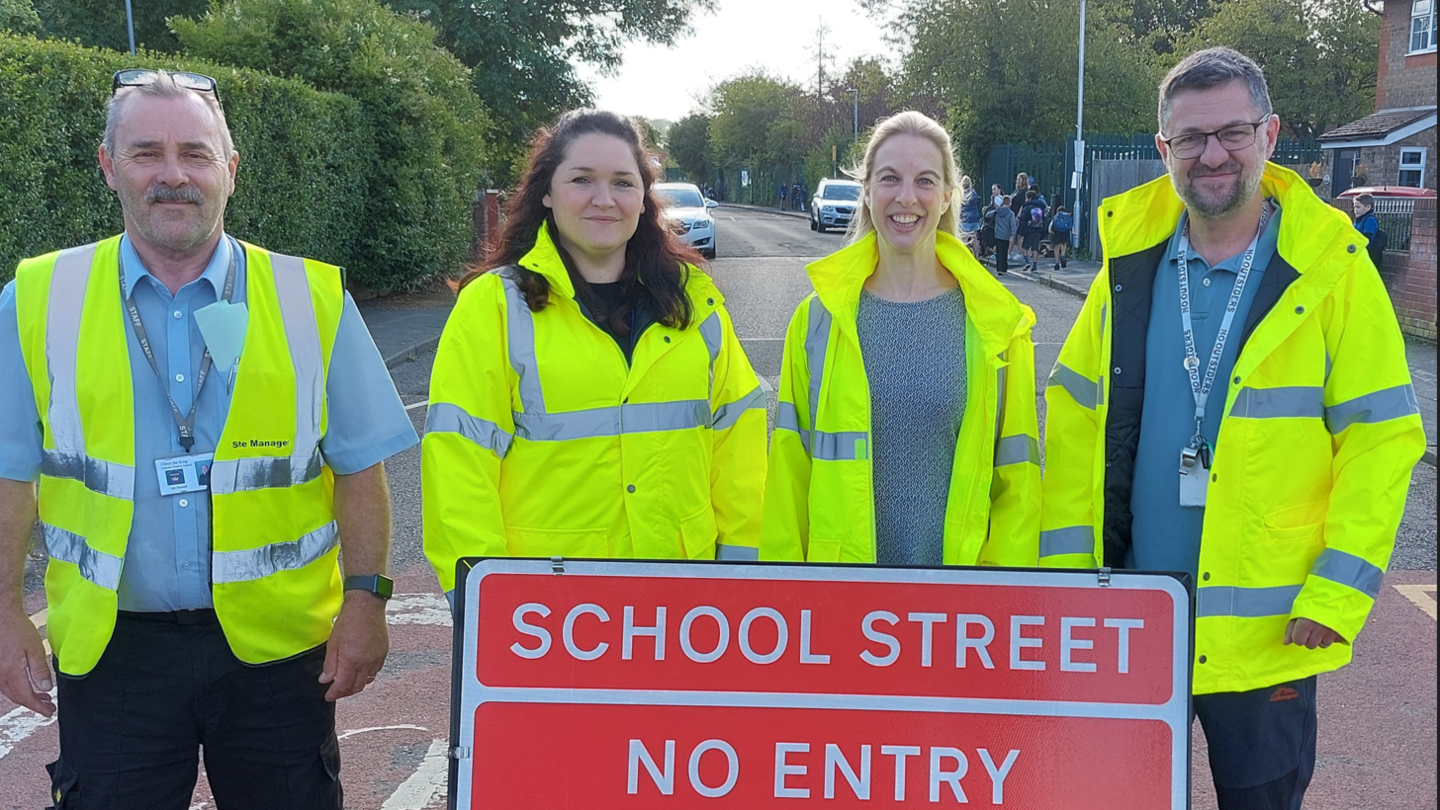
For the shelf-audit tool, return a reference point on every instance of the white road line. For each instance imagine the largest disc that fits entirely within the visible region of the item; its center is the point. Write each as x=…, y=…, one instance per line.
x=1422, y=595
x=19, y=723
x=427, y=782
x=412, y=406
x=352, y=732
x=418, y=608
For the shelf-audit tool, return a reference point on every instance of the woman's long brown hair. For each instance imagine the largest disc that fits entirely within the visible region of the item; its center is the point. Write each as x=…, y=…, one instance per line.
x=655, y=262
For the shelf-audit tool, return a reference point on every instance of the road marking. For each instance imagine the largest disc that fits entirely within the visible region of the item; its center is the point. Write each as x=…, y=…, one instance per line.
x=352, y=732
x=412, y=406
x=19, y=723
x=418, y=608
x=1422, y=595
x=427, y=782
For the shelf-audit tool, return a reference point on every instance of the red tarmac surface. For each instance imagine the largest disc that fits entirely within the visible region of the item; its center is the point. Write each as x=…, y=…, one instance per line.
x=1377, y=717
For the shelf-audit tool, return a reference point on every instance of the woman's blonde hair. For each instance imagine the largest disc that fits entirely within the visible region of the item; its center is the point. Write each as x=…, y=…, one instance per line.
x=915, y=123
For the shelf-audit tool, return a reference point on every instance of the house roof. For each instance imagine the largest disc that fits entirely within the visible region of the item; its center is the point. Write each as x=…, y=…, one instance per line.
x=1380, y=125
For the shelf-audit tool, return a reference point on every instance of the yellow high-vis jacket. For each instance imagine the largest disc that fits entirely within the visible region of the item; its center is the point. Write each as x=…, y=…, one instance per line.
x=541, y=441
x=819, y=499
x=1312, y=464
x=276, y=582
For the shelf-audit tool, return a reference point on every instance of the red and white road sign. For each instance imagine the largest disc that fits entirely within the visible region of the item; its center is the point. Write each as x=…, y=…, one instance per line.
x=615, y=684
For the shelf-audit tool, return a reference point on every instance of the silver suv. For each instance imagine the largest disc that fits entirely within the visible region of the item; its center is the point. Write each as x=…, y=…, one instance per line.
x=834, y=204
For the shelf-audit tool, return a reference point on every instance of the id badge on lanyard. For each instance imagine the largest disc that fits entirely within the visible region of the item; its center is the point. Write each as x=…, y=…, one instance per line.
x=1197, y=457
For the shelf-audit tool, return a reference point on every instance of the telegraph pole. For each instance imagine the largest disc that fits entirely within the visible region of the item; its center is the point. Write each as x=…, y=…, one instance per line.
x=130, y=24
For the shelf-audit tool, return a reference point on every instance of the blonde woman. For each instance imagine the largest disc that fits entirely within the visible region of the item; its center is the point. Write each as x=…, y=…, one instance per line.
x=907, y=430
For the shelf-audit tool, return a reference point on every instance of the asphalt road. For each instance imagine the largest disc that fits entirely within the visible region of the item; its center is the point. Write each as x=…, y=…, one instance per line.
x=1378, y=717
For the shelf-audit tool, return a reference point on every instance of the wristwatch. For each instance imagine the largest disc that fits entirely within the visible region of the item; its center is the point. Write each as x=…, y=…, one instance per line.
x=378, y=584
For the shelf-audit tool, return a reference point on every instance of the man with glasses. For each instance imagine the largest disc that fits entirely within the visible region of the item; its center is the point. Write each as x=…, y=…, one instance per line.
x=207, y=421
x=1234, y=404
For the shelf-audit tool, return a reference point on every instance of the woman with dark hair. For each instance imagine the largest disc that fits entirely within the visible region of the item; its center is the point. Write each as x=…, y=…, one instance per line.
x=590, y=397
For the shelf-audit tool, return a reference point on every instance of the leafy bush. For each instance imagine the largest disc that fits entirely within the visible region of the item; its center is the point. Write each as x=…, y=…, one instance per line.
x=429, y=126
x=304, y=155
x=19, y=16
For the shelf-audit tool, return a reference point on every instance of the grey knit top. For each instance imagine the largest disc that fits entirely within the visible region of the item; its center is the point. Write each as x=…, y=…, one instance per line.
x=915, y=362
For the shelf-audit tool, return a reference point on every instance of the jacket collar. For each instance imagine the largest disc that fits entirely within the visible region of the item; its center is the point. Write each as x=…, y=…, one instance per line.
x=544, y=258
x=994, y=311
x=1147, y=215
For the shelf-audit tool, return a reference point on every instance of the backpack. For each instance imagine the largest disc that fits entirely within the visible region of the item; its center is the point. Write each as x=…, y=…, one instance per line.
x=1037, y=218
x=1063, y=223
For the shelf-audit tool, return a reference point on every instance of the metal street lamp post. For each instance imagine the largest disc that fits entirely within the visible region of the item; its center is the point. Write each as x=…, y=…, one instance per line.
x=130, y=24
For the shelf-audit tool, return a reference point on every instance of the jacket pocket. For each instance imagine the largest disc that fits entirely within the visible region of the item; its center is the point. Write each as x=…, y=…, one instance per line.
x=698, y=534
x=822, y=550
x=64, y=786
x=523, y=542
x=1299, y=522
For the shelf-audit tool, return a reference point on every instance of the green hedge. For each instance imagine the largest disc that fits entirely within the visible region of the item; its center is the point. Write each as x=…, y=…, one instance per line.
x=305, y=156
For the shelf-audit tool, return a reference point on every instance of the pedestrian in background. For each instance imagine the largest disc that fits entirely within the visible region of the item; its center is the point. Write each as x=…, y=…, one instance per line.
x=969, y=215
x=1234, y=403
x=208, y=423
x=1061, y=225
x=1006, y=229
x=997, y=196
x=1032, y=229
x=590, y=397
x=1017, y=199
x=906, y=432
x=1368, y=224
x=987, y=231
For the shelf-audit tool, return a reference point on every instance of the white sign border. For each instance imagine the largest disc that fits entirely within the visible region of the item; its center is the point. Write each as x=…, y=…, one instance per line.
x=469, y=692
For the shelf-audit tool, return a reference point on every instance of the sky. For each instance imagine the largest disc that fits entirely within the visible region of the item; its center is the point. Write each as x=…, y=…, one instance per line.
x=777, y=35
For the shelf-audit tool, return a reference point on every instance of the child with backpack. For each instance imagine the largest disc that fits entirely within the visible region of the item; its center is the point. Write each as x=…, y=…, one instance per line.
x=1061, y=224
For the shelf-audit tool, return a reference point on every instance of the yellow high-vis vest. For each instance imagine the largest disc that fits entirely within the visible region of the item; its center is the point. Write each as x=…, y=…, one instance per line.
x=276, y=583
x=540, y=441
x=1312, y=462
x=819, y=499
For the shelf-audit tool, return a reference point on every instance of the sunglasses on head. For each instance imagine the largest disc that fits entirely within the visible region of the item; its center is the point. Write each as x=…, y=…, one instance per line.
x=139, y=77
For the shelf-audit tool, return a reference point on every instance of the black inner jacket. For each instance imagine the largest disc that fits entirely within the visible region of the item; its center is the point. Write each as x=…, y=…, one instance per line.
x=1132, y=285
x=611, y=296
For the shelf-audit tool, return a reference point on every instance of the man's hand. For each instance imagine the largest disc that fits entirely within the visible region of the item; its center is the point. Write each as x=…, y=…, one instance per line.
x=24, y=674
x=357, y=646
x=1310, y=634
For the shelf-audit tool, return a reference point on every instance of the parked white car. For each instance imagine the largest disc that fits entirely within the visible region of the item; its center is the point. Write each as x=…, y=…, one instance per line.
x=689, y=215
x=833, y=204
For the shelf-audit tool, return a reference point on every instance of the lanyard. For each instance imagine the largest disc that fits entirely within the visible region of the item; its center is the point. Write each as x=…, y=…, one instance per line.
x=1201, y=389
x=185, y=425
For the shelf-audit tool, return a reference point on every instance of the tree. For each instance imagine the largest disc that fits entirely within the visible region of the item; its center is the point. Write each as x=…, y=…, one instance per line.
x=1319, y=56
x=521, y=52
x=689, y=146
x=101, y=23
x=18, y=16
x=428, y=126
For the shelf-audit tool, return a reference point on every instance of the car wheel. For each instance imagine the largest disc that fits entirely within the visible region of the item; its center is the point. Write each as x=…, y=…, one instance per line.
x=709, y=253
x=820, y=228
x=812, y=223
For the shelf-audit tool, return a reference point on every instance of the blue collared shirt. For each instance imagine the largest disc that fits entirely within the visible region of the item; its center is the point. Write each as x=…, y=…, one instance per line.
x=167, y=560
x=1166, y=535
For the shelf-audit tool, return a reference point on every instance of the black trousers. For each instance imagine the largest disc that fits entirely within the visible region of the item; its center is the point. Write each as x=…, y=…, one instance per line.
x=131, y=730
x=1262, y=745
x=1002, y=256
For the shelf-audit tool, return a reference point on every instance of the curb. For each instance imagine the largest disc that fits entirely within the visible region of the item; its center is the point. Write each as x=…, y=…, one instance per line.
x=1429, y=457
x=763, y=210
x=411, y=352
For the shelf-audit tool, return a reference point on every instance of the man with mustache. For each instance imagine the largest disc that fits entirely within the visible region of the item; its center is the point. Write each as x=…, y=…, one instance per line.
x=207, y=421
x=1234, y=404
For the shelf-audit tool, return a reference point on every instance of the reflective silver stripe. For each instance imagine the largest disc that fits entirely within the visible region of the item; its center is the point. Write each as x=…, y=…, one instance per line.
x=1296, y=401
x=1000, y=400
x=1069, y=540
x=646, y=417
x=1084, y=391
x=96, y=566
x=786, y=418
x=1249, y=603
x=711, y=331
x=450, y=598
x=264, y=472
x=1378, y=406
x=1017, y=450
x=728, y=414
x=520, y=334
x=443, y=417
x=736, y=553
x=1347, y=569
x=297, y=310
x=104, y=477
x=848, y=445
x=816, y=340
x=258, y=563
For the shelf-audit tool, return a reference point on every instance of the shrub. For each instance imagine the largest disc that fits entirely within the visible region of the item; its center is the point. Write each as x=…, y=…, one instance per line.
x=304, y=155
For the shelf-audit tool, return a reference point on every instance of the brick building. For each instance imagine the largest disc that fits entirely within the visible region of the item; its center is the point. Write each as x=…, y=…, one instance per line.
x=1395, y=145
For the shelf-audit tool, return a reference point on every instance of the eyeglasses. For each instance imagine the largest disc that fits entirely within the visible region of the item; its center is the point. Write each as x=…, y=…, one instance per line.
x=1232, y=138
x=139, y=77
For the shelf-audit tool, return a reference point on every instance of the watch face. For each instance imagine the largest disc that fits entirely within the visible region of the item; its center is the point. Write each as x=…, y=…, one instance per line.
x=384, y=586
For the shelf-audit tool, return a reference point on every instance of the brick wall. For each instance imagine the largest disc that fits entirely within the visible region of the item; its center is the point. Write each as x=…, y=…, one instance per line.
x=1403, y=81
x=1410, y=277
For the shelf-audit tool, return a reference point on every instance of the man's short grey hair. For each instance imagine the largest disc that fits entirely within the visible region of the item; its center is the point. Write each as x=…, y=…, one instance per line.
x=1210, y=68
x=163, y=86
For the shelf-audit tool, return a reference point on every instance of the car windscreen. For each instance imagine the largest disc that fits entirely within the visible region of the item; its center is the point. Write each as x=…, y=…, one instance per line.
x=841, y=193
x=680, y=197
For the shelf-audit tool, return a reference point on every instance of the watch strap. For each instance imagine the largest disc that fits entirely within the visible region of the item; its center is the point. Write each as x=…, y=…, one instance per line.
x=378, y=584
